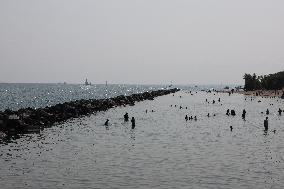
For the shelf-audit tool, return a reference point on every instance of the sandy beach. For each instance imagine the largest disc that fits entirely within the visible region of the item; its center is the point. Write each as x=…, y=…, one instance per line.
x=263, y=93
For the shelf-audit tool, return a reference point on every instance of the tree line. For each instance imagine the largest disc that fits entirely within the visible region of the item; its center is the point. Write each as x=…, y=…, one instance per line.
x=268, y=82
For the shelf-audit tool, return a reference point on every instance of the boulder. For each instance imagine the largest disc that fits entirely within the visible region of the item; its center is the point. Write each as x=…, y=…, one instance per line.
x=31, y=120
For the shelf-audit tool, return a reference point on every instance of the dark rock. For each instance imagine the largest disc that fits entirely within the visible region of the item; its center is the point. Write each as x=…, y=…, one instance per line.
x=31, y=120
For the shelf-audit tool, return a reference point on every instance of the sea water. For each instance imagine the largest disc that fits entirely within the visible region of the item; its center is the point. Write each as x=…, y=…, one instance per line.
x=24, y=95
x=163, y=151
x=16, y=96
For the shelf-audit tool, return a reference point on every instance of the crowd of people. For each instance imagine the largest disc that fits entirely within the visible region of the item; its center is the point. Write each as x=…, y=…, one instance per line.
x=229, y=112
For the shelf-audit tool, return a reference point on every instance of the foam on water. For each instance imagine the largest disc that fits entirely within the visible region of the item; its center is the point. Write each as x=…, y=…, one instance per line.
x=163, y=151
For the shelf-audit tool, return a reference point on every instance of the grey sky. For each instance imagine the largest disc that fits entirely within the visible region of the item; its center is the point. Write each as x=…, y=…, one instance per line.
x=140, y=41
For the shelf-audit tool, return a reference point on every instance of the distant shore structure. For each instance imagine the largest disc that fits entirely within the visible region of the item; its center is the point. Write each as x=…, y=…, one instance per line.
x=171, y=84
x=87, y=83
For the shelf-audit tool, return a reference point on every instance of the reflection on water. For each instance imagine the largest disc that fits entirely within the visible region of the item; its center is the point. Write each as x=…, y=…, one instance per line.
x=163, y=151
x=16, y=96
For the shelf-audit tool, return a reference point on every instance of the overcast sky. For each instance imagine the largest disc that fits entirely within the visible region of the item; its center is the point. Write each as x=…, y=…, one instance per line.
x=140, y=41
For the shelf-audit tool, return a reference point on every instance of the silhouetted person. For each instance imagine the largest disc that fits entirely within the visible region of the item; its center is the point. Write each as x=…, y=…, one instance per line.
x=133, y=122
x=267, y=112
x=106, y=123
x=126, y=117
x=231, y=127
x=186, y=118
x=195, y=118
x=146, y=111
x=279, y=111
x=219, y=100
x=265, y=123
x=208, y=115
x=244, y=114
x=233, y=113
x=228, y=112
x=213, y=101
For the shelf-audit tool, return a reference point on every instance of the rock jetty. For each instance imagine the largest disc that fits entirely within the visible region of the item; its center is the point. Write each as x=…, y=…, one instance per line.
x=33, y=120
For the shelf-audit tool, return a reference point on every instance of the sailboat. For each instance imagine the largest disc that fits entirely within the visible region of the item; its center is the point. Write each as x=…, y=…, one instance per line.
x=87, y=83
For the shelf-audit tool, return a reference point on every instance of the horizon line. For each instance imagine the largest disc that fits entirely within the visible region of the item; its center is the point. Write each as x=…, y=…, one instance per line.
x=182, y=84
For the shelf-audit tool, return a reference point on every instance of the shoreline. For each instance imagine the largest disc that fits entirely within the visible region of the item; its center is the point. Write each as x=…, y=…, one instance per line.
x=33, y=120
x=264, y=93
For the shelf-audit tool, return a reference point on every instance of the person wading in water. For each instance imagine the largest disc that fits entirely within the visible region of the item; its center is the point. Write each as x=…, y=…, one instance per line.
x=133, y=122
x=126, y=117
x=265, y=123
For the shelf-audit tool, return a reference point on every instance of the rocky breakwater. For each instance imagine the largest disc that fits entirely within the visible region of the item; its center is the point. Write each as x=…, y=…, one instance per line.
x=33, y=120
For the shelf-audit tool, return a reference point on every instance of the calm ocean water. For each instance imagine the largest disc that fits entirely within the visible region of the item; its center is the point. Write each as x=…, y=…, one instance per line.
x=16, y=96
x=163, y=151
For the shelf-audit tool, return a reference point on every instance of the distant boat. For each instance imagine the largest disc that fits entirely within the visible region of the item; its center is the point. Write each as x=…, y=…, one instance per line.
x=87, y=83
